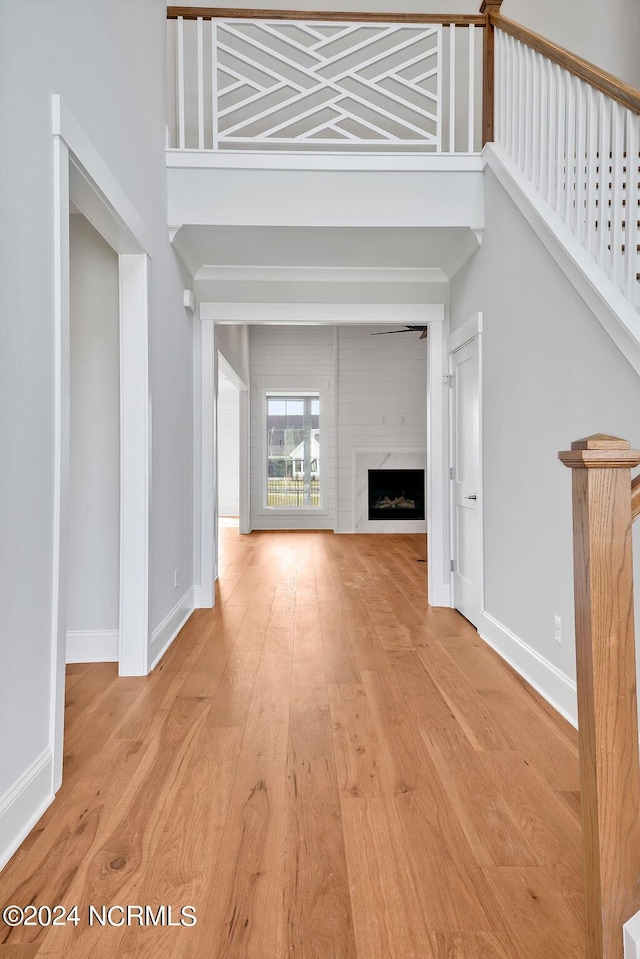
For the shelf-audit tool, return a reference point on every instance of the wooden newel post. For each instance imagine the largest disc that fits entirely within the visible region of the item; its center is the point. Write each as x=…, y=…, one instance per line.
x=488, y=70
x=606, y=677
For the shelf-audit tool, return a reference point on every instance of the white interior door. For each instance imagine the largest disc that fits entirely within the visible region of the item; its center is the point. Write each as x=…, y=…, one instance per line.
x=465, y=481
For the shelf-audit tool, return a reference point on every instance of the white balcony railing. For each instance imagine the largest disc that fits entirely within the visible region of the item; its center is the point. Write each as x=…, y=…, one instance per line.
x=579, y=149
x=292, y=85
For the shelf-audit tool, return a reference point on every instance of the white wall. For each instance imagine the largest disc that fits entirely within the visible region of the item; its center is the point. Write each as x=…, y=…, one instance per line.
x=292, y=357
x=551, y=376
x=94, y=479
x=106, y=60
x=382, y=401
x=233, y=343
x=228, y=449
x=606, y=34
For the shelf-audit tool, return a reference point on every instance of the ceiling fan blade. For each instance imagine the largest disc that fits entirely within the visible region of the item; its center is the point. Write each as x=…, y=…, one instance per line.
x=390, y=332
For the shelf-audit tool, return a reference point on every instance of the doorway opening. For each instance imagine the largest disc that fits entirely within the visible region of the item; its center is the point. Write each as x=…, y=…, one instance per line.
x=93, y=559
x=228, y=460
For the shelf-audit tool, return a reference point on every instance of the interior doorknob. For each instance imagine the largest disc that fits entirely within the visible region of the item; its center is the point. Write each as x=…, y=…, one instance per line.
x=473, y=496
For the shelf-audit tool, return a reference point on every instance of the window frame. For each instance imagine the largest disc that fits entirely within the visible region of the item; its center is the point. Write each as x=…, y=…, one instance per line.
x=291, y=393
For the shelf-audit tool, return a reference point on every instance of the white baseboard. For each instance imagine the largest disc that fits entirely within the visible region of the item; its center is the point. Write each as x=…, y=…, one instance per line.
x=164, y=634
x=553, y=685
x=93, y=646
x=23, y=804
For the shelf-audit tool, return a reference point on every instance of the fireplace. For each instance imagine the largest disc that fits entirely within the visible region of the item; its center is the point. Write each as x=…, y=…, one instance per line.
x=396, y=495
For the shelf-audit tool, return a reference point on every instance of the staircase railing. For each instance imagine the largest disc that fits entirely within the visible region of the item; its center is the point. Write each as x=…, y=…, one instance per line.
x=604, y=504
x=308, y=81
x=573, y=131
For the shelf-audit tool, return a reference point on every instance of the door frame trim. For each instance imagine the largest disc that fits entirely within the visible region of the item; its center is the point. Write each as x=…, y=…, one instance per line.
x=331, y=314
x=470, y=330
x=81, y=175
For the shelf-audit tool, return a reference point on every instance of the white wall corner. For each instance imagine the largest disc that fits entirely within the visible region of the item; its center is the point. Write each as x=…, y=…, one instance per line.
x=165, y=633
x=553, y=685
x=93, y=646
x=23, y=804
x=631, y=933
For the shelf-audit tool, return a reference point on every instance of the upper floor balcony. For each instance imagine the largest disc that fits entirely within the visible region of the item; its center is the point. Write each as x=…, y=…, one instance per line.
x=345, y=85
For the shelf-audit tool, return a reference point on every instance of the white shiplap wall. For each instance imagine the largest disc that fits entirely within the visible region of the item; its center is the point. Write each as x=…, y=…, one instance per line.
x=382, y=401
x=282, y=358
x=228, y=451
x=378, y=401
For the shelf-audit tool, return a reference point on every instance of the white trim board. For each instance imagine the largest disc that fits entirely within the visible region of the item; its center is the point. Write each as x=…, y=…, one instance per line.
x=92, y=646
x=328, y=314
x=164, y=634
x=463, y=334
x=553, y=685
x=618, y=317
x=23, y=804
x=321, y=274
x=269, y=160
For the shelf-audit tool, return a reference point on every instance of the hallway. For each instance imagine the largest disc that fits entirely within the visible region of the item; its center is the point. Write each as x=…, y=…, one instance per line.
x=324, y=767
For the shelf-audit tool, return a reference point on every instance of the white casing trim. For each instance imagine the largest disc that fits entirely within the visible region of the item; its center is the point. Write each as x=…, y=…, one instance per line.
x=553, y=685
x=618, y=317
x=92, y=645
x=164, y=634
x=23, y=804
x=327, y=314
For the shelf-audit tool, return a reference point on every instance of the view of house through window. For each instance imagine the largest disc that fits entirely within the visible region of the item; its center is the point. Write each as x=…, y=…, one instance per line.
x=293, y=450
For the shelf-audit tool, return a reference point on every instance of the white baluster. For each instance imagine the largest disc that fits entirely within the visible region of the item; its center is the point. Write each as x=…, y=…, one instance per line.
x=180, y=78
x=604, y=189
x=472, y=86
x=214, y=84
x=591, y=214
x=529, y=130
x=561, y=143
x=539, y=124
x=633, y=209
x=617, y=195
x=581, y=154
x=452, y=88
x=200, y=86
x=521, y=106
x=569, y=213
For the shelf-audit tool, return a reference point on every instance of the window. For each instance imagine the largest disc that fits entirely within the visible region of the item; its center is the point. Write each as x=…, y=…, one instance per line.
x=293, y=446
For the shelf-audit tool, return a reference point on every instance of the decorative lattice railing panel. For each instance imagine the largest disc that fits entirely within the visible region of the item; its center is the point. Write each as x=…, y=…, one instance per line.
x=315, y=86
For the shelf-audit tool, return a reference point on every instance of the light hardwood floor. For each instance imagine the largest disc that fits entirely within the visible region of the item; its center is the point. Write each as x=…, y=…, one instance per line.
x=323, y=766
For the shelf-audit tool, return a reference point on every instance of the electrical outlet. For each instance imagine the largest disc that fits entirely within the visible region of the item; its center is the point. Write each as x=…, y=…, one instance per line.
x=175, y=579
x=558, y=629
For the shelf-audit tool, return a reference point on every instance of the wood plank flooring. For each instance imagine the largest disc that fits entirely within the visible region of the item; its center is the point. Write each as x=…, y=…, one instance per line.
x=324, y=767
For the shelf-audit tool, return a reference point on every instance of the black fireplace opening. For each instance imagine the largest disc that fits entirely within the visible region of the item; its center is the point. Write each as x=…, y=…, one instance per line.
x=396, y=494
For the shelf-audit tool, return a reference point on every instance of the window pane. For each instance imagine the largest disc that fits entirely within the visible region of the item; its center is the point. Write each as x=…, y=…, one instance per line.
x=293, y=451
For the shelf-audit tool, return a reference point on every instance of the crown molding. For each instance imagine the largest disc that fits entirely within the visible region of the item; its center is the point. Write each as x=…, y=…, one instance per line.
x=321, y=274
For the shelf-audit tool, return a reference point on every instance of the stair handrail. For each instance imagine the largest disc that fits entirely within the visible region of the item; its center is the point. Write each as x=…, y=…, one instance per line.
x=606, y=682
x=635, y=498
x=606, y=83
x=337, y=16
